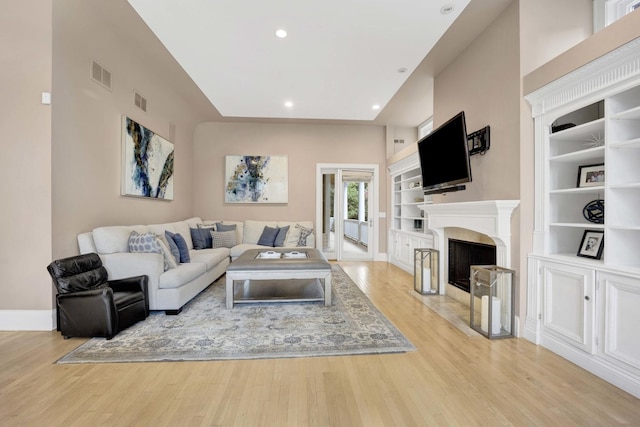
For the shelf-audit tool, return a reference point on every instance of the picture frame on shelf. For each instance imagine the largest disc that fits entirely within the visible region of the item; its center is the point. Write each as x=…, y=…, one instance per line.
x=592, y=244
x=591, y=175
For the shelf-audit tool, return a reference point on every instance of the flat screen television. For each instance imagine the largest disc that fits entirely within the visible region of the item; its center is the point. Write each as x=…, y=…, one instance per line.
x=444, y=157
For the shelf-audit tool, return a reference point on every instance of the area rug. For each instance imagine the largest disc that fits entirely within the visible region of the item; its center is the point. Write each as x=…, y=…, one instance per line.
x=206, y=330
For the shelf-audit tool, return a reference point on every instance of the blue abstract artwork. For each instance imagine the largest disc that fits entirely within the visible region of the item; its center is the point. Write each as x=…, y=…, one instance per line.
x=256, y=179
x=147, y=162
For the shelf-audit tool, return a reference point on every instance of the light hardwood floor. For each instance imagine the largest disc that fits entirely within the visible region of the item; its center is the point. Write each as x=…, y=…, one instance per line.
x=451, y=380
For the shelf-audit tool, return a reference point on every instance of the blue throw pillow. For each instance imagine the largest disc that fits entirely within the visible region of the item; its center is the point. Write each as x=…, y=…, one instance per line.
x=201, y=238
x=172, y=246
x=268, y=236
x=182, y=247
x=225, y=227
x=281, y=238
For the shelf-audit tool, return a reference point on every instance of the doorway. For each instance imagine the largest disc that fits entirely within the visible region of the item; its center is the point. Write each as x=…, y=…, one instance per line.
x=346, y=211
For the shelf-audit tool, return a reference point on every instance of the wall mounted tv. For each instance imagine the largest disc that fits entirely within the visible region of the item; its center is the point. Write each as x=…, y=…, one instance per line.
x=444, y=157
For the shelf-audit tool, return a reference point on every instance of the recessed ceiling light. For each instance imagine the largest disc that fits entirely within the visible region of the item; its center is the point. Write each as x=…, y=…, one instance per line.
x=446, y=9
x=402, y=70
x=288, y=104
x=281, y=33
x=376, y=107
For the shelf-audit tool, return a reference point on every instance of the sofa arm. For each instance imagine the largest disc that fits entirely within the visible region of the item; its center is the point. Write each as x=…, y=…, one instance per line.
x=133, y=284
x=125, y=264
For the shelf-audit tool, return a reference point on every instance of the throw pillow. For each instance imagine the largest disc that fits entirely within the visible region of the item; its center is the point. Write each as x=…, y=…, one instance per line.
x=143, y=243
x=225, y=227
x=304, y=233
x=281, y=238
x=169, y=260
x=268, y=236
x=223, y=239
x=293, y=236
x=201, y=237
x=182, y=246
x=172, y=246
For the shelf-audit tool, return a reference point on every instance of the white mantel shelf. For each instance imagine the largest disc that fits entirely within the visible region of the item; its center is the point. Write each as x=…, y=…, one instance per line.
x=489, y=217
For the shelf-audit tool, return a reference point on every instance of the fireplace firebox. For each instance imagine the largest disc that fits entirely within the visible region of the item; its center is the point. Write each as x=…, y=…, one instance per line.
x=462, y=255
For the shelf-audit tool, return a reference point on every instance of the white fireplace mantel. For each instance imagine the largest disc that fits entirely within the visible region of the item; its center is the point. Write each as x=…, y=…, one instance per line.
x=489, y=217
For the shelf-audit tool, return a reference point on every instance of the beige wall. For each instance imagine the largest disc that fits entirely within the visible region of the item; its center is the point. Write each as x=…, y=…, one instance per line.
x=87, y=121
x=543, y=36
x=484, y=81
x=25, y=164
x=305, y=146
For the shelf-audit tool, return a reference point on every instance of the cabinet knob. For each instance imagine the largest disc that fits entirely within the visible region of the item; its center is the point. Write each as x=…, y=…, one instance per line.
x=587, y=298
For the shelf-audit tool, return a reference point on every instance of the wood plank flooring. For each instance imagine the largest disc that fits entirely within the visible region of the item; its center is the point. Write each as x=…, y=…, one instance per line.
x=451, y=380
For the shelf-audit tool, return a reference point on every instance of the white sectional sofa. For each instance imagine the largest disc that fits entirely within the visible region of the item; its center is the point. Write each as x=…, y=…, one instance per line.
x=170, y=289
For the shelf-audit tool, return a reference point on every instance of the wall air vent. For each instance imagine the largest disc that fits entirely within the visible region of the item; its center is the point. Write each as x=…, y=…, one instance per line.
x=140, y=101
x=100, y=75
x=398, y=141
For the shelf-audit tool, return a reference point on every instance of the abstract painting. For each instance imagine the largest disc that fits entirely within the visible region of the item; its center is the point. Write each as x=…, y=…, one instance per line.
x=147, y=162
x=256, y=179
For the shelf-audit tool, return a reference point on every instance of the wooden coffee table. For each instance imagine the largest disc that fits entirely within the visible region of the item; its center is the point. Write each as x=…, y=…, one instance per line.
x=269, y=275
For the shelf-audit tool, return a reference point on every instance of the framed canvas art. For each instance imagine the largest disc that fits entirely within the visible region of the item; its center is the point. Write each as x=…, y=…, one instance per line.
x=256, y=179
x=147, y=162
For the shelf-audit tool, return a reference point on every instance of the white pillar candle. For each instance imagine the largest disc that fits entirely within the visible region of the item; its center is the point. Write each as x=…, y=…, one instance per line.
x=426, y=279
x=495, y=315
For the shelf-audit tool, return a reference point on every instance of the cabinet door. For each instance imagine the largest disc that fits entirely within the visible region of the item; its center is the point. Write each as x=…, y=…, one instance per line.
x=405, y=254
x=619, y=308
x=568, y=304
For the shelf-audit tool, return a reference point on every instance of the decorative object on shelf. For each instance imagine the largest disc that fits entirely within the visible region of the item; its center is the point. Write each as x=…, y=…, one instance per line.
x=147, y=162
x=591, y=175
x=256, y=179
x=596, y=140
x=417, y=224
x=425, y=273
x=592, y=244
x=479, y=141
x=594, y=211
x=495, y=319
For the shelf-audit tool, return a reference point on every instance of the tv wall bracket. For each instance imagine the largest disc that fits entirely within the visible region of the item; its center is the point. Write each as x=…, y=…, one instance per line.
x=479, y=141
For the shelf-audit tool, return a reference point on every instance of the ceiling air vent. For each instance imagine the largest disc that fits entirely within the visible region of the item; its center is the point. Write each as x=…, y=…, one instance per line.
x=398, y=141
x=100, y=75
x=140, y=101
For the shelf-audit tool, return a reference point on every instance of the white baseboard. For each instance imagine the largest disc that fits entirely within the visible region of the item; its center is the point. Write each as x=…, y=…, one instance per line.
x=27, y=320
x=380, y=256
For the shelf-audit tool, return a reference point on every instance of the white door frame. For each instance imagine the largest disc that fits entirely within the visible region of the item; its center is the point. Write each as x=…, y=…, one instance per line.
x=373, y=195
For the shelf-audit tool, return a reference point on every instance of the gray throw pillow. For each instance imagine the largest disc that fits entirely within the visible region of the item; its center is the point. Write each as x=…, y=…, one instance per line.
x=225, y=227
x=223, y=239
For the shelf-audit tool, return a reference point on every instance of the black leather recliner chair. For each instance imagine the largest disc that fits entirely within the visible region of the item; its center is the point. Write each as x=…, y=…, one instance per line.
x=90, y=305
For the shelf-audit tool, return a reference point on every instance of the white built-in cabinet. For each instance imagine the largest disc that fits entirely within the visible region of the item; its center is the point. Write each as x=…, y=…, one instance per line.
x=407, y=219
x=585, y=309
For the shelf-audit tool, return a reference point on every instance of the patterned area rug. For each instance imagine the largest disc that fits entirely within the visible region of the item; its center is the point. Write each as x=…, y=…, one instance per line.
x=206, y=330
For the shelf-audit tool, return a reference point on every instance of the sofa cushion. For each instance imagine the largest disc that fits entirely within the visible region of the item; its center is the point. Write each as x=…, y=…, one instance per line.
x=182, y=246
x=304, y=234
x=281, y=238
x=181, y=275
x=172, y=246
x=223, y=239
x=210, y=257
x=201, y=237
x=268, y=236
x=145, y=243
x=113, y=239
x=169, y=261
x=182, y=228
x=225, y=227
x=253, y=230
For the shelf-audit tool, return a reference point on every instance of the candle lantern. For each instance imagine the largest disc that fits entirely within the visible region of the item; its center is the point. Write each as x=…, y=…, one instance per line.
x=425, y=275
x=492, y=301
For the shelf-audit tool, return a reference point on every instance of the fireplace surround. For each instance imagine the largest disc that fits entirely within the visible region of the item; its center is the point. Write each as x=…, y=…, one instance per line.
x=489, y=217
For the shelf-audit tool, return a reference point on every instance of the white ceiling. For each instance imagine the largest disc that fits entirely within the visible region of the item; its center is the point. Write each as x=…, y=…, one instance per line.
x=339, y=59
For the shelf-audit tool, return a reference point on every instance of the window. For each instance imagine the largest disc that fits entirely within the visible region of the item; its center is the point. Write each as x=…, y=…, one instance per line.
x=606, y=12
